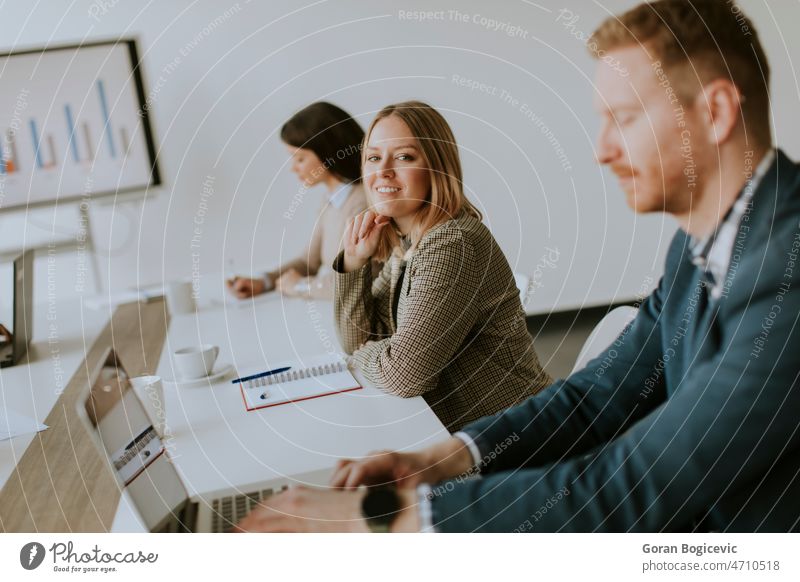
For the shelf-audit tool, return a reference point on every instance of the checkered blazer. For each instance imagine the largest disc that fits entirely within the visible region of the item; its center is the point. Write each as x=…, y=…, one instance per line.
x=457, y=335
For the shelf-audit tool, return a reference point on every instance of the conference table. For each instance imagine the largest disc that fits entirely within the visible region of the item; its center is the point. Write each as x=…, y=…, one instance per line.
x=214, y=441
x=62, y=333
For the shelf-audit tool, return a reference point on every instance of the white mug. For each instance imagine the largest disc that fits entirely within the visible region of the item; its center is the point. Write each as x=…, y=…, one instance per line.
x=195, y=362
x=150, y=391
x=180, y=297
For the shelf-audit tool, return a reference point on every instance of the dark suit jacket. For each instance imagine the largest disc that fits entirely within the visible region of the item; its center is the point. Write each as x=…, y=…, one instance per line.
x=690, y=420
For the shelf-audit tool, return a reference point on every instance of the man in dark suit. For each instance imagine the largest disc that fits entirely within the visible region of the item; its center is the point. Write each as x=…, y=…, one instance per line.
x=689, y=421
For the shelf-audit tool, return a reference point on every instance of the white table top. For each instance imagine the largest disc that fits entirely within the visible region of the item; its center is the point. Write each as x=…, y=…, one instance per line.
x=63, y=333
x=216, y=443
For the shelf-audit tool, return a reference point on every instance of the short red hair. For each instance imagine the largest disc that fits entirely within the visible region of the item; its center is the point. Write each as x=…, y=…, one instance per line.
x=698, y=41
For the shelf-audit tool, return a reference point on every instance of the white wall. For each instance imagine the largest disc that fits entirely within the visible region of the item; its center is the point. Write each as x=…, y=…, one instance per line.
x=225, y=75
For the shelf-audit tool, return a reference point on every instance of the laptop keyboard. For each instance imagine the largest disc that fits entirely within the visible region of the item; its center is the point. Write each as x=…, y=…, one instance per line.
x=228, y=511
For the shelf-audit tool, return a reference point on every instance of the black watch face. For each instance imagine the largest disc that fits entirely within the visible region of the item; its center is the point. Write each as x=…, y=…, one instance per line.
x=380, y=505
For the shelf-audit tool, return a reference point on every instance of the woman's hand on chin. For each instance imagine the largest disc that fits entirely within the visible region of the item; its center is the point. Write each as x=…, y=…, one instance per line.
x=361, y=238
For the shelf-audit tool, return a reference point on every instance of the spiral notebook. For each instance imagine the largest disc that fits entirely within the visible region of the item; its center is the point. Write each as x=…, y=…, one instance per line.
x=294, y=382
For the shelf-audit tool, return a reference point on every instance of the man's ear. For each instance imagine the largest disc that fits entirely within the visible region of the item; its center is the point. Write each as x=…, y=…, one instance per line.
x=720, y=103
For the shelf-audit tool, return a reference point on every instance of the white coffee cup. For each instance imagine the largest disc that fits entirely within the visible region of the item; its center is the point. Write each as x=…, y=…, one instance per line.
x=195, y=362
x=180, y=297
x=150, y=391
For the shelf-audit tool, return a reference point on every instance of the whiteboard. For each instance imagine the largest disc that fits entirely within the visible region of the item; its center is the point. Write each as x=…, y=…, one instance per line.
x=72, y=124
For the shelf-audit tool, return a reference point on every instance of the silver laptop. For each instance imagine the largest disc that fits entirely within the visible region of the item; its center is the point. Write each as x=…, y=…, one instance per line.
x=120, y=427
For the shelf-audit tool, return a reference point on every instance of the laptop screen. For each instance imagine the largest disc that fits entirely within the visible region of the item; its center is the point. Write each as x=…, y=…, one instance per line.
x=116, y=417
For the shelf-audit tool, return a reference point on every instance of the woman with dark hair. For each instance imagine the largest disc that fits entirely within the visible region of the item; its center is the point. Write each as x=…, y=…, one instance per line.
x=324, y=143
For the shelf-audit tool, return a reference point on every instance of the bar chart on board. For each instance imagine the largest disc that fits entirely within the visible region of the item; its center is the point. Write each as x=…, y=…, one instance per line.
x=72, y=124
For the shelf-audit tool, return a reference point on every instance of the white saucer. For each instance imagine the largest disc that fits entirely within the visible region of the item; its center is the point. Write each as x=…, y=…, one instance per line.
x=217, y=374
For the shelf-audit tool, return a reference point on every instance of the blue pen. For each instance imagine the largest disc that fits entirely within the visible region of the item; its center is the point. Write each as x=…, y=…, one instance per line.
x=261, y=375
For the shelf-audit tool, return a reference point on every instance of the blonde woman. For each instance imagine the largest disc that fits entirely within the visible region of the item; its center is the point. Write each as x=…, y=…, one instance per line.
x=443, y=318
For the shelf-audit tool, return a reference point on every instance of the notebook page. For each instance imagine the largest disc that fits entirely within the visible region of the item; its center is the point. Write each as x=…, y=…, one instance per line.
x=298, y=384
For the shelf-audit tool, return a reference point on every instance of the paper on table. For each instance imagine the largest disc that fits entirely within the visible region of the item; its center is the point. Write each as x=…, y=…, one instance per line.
x=14, y=424
x=233, y=301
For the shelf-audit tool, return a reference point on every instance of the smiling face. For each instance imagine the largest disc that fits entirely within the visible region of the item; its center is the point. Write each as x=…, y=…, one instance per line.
x=656, y=150
x=395, y=174
x=307, y=166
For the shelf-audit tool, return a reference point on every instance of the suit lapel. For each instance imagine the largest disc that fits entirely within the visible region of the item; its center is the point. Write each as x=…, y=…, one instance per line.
x=704, y=333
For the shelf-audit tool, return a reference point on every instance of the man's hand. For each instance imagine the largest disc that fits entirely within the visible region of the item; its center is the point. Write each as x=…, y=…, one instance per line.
x=407, y=470
x=287, y=283
x=303, y=509
x=244, y=287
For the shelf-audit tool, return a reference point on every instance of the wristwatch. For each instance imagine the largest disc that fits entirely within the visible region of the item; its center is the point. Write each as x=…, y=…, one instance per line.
x=380, y=507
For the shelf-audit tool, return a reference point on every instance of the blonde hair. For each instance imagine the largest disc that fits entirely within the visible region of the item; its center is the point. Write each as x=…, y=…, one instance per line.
x=698, y=41
x=439, y=151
